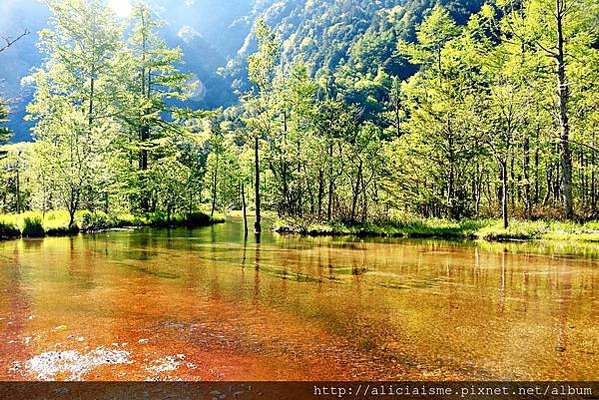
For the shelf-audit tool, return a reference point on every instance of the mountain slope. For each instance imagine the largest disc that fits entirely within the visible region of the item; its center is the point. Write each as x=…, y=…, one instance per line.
x=325, y=34
x=216, y=39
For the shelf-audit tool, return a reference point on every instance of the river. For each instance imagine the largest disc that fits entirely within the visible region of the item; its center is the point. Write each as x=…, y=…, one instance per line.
x=208, y=304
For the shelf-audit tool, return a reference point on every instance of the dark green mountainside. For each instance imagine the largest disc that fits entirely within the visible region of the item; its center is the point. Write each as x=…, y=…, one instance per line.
x=328, y=34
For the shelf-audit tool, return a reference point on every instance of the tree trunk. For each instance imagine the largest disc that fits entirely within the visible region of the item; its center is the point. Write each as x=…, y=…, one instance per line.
x=320, y=192
x=244, y=207
x=71, y=218
x=73, y=206
x=593, y=182
x=563, y=98
x=451, y=178
x=285, y=201
x=331, y=185
x=18, y=190
x=214, y=185
x=537, y=160
x=450, y=191
x=257, y=222
x=356, y=193
x=527, y=194
x=504, y=194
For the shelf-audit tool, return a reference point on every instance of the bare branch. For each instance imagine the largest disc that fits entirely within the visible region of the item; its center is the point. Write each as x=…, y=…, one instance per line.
x=8, y=41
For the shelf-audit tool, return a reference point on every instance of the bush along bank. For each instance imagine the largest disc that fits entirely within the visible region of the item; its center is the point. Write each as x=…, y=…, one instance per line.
x=488, y=230
x=56, y=223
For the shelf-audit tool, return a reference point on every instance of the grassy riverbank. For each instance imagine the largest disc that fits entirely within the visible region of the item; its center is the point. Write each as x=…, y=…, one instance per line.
x=56, y=223
x=489, y=230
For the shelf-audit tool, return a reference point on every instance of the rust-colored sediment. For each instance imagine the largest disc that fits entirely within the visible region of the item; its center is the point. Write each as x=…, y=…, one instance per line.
x=203, y=305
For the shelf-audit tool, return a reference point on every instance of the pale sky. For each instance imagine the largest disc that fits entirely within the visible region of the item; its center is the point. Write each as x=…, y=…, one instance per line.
x=121, y=8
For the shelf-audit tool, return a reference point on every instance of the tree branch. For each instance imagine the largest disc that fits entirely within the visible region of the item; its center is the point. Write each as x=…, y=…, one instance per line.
x=9, y=41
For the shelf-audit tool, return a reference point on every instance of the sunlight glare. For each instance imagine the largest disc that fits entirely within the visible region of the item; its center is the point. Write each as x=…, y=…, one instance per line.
x=121, y=8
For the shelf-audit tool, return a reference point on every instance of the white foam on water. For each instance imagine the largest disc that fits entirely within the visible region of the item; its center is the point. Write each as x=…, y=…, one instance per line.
x=47, y=365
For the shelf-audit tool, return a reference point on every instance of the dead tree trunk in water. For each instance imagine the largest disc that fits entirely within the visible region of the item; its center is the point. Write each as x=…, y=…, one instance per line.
x=244, y=207
x=258, y=220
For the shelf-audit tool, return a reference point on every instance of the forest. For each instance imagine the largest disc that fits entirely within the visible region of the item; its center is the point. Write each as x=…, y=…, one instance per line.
x=392, y=111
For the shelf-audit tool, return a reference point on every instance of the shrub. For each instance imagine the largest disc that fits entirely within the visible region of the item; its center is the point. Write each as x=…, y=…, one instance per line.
x=518, y=230
x=157, y=218
x=33, y=227
x=98, y=221
x=8, y=231
x=124, y=220
x=198, y=219
x=62, y=231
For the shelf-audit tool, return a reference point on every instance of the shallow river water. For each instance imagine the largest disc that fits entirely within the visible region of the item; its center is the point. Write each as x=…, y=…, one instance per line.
x=207, y=304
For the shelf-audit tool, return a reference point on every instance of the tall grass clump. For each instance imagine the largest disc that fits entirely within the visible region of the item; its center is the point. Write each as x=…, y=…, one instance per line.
x=518, y=230
x=33, y=227
x=56, y=223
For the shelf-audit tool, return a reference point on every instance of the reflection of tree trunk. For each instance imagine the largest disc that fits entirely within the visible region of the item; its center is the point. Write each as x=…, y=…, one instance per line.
x=476, y=265
x=257, y=273
x=526, y=283
x=330, y=264
x=503, y=283
x=245, y=249
x=561, y=341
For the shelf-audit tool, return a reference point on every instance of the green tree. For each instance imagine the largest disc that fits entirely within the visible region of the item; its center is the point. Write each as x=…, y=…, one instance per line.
x=151, y=84
x=73, y=105
x=442, y=104
x=258, y=103
x=564, y=33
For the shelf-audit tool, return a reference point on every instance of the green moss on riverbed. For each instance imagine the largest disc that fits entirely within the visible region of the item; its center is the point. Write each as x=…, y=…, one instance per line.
x=489, y=230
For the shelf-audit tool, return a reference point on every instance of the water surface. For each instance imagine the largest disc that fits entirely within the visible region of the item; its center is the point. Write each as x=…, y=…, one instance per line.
x=207, y=304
